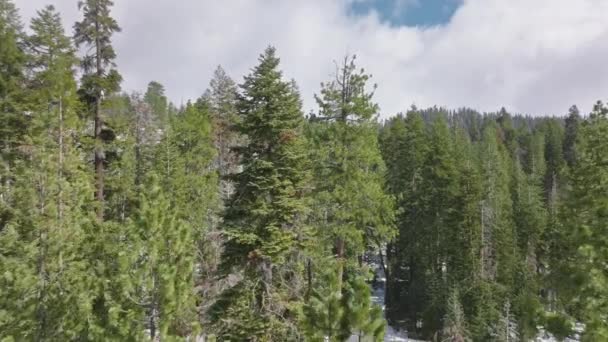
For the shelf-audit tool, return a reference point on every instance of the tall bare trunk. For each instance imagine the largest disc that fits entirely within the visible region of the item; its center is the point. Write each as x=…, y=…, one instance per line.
x=41, y=312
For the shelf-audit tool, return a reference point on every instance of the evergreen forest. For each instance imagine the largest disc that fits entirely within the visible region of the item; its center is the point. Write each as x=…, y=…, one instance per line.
x=238, y=217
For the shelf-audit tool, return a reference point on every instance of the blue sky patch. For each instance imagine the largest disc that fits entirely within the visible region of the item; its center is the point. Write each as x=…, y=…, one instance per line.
x=409, y=12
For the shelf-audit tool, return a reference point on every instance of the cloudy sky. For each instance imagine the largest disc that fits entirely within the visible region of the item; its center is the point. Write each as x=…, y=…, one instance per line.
x=531, y=56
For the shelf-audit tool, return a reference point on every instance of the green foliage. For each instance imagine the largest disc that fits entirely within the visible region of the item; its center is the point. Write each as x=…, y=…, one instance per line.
x=235, y=217
x=12, y=104
x=352, y=205
x=99, y=79
x=409, y=148
x=352, y=212
x=156, y=99
x=95, y=30
x=183, y=161
x=221, y=99
x=163, y=266
x=46, y=284
x=263, y=220
x=586, y=212
x=336, y=313
x=454, y=325
x=571, y=135
x=559, y=326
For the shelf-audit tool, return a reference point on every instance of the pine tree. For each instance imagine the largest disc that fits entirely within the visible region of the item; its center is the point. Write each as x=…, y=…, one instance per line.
x=464, y=250
x=454, y=325
x=336, y=314
x=437, y=220
x=12, y=105
x=394, y=148
x=554, y=135
x=159, y=105
x=571, y=132
x=353, y=211
x=221, y=98
x=497, y=259
x=99, y=78
x=48, y=290
x=530, y=221
x=164, y=266
x=184, y=162
x=586, y=213
x=264, y=217
x=404, y=257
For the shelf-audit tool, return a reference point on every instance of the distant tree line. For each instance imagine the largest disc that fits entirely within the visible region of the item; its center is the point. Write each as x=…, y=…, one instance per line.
x=236, y=217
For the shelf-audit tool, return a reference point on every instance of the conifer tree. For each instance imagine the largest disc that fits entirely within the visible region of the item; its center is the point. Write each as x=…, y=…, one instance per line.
x=463, y=253
x=353, y=211
x=497, y=261
x=48, y=294
x=264, y=217
x=404, y=258
x=12, y=104
x=454, y=325
x=435, y=203
x=157, y=100
x=586, y=212
x=221, y=98
x=394, y=148
x=125, y=155
x=336, y=314
x=554, y=158
x=184, y=162
x=164, y=266
x=571, y=132
x=99, y=77
x=530, y=221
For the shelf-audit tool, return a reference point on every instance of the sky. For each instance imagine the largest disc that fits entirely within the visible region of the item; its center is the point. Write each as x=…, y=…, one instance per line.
x=530, y=56
x=408, y=12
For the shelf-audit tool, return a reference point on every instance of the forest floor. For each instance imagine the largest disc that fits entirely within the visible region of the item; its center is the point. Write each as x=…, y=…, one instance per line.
x=392, y=334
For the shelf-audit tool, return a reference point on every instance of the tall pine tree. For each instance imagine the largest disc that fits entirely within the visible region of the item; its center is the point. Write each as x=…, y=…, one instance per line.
x=48, y=290
x=353, y=213
x=586, y=215
x=264, y=217
x=99, y=77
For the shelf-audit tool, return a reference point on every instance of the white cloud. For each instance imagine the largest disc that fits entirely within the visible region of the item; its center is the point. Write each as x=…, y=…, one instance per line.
x=532, y=56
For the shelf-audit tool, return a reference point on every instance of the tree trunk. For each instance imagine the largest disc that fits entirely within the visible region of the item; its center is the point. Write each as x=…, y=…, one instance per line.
x=309, y=277
x=99, y=172
x=41, y=312
x=60, y=166
x=154, y=319
x=340, y=259
x=386, y=273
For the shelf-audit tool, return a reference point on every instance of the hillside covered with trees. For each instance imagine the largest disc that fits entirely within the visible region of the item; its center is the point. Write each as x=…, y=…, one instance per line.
x=236, y=217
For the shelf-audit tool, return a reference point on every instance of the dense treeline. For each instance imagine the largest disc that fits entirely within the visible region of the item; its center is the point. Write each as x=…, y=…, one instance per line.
x=237, y=218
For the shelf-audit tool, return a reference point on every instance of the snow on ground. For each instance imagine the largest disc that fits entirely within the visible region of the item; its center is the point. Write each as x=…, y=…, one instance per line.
x=544, y=336
x=391, y=334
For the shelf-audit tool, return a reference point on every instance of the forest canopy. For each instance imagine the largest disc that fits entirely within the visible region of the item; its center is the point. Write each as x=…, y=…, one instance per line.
x=236, y=217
